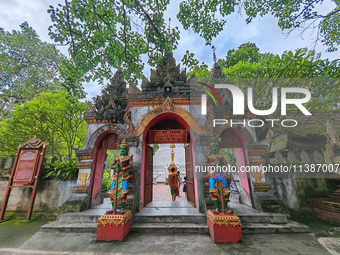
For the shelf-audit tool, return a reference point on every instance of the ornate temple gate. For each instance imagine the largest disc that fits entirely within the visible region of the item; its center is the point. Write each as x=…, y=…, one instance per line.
x=148, y=192
x=166, y=121
x=147, y=107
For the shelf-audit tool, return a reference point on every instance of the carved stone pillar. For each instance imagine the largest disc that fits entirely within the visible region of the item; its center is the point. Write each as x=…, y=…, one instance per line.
x=85, y=168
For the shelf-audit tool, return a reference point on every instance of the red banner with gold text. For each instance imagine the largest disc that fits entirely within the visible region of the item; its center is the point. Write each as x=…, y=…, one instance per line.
x=168, y=136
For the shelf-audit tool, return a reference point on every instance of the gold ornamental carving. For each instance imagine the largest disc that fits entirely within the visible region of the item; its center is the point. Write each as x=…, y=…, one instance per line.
x=84, y=156
x=262, y=186
x=259, y=185
x=116, y=219
x=258, y=175
x=136, y=102
x=84, y=165
x=93, y=120
x=83, y=177
x=224, y=220
x=167, y=106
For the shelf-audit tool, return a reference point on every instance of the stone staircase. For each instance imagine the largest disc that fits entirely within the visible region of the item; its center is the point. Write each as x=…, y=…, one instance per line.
x=169, y=217
x=177, y=217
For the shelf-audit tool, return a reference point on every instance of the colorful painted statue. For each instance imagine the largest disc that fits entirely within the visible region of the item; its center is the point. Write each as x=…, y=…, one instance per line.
x=120, y=167
x=214, y=159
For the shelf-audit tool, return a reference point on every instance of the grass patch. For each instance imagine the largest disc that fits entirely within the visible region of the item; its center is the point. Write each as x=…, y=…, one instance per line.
x=318, y=227
x=35, y=216
x=13, y=232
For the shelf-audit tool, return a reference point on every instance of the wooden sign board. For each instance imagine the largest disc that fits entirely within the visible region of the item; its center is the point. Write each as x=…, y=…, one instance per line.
x=168, y=136
x=25, y=171
x=26, y=167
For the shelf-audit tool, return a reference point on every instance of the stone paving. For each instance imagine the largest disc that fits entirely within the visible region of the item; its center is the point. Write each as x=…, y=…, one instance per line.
x=161, y=192
x=15, y=240
x=137, y=243
x=331, y=244
x=54, y=243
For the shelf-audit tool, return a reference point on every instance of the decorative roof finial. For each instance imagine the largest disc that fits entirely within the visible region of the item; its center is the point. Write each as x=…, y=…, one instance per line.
x=124, y=143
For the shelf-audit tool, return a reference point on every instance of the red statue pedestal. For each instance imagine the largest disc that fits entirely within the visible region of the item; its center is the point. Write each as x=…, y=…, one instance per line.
x=114, y=227
x=224, y=228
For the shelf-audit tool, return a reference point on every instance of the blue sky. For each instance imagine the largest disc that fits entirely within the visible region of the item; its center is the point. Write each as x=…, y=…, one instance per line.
x=262, y=31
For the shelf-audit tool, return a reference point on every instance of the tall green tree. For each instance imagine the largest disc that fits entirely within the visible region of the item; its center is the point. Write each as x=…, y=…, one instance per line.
x=282, y=70
x=245, y=52
x=54, y=117
x=107, y=34
x=28, y=66
x=102, y=35
x=207, y=18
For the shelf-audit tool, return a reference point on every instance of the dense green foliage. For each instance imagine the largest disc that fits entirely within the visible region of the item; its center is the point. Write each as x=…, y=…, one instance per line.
x=239, y=68
x=103, y=35
x=247, y=62
x=55, y=118
x=111, y=155
x=28, y=67
x=247, y=52
x=229, y=155
x=32, y=103
x=106, y=34
x=155, y=147
x=106, y=182
x=207, y=18
x=60, y=170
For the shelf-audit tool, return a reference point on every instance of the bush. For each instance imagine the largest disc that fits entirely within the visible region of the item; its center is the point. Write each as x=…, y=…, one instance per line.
x=106, y=183
x=60, y=170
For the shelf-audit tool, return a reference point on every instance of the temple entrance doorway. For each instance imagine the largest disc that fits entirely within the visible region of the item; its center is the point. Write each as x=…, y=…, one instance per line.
x=232, y=147
x=106, y=145
x=157, y=158
x=161, y=161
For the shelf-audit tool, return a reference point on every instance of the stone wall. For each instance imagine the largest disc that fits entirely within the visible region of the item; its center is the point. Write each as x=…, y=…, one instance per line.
x=50, y=195
x=294, y=192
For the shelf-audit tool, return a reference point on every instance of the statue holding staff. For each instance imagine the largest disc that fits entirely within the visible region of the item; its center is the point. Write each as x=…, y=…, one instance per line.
x=120, y=177
x=219, y=187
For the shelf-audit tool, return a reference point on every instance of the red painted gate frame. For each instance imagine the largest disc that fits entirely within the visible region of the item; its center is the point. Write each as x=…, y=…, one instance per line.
x=157, y=119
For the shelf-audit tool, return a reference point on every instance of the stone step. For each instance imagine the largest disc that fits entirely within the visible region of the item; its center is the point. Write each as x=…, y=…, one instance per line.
x=80, y=217
x=190, y=228
x=58, y=227
x=247, y=228
x=276, y=218
x=170, y=219
x=168, y=228
x=175, y=212
x=264, y=228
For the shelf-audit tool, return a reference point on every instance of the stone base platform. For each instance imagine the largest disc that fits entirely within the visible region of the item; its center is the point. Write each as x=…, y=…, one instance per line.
x=224, y=228
x=177, y=217
x=114, y=227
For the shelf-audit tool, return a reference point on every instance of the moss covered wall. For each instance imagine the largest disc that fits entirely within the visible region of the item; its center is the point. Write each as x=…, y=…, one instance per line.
x=294, y=192
x=50, y=195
